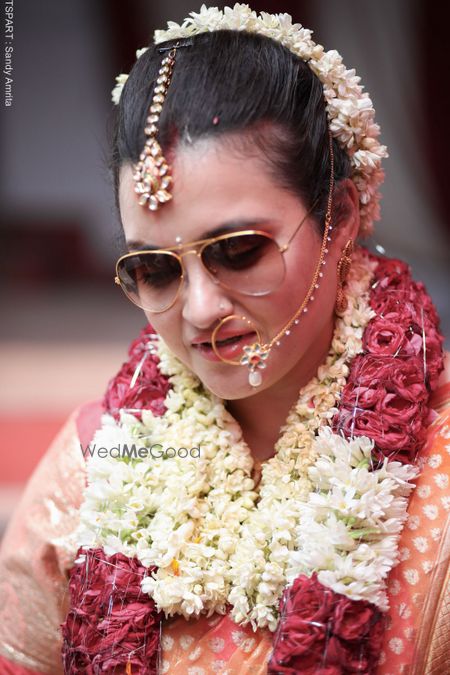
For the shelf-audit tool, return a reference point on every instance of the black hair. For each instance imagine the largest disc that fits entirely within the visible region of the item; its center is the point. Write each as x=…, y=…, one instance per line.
x=254, y=85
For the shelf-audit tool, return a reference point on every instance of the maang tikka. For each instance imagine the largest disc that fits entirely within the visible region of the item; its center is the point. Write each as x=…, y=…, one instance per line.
x=152, y=174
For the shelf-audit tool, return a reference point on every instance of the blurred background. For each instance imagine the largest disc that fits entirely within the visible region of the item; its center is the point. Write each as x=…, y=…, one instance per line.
x=65, y=326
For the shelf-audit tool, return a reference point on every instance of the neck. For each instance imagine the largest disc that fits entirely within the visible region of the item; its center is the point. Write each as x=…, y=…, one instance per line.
x=261, y=415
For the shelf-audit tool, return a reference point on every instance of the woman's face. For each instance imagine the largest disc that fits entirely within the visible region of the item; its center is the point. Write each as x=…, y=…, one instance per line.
x=215, y=187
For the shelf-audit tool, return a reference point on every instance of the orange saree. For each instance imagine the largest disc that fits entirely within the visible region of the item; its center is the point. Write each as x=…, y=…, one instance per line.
x=34, y=569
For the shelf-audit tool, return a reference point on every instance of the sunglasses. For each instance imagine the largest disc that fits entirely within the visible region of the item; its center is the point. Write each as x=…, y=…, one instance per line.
x=250, y=262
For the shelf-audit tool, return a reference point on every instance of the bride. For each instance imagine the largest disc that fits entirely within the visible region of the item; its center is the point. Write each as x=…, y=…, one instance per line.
x=303, y=370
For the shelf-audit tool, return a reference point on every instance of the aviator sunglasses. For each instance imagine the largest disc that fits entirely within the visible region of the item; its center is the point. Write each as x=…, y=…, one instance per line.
x=250, y=262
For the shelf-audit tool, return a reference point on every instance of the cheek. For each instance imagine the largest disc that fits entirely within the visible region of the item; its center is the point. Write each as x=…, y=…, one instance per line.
x=168, y=326
x=300, y=269
x=282, y=306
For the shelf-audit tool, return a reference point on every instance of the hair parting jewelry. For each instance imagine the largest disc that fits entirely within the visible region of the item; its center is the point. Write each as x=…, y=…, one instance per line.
x=256, y=354
x=152, y=174
x=343, y=268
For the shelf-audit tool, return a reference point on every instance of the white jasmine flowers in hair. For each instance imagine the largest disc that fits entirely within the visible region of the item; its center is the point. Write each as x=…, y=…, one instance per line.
x=349, y=108
x=350, y=111
x=141, y=51
x=117, y=91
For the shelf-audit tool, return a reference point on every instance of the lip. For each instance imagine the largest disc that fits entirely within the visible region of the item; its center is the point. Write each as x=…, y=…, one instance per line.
x=231, y=351
x=224, y=335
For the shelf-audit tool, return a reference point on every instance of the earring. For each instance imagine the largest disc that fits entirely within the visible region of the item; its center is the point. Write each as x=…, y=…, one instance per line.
x=343, y=268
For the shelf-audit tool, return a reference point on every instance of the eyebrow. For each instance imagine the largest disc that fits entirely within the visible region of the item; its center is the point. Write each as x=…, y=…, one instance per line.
x=232, y=226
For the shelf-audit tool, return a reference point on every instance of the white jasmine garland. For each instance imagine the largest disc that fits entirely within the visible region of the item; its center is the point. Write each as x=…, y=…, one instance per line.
x=349, y=109
x=198, y=519
x=352, y=520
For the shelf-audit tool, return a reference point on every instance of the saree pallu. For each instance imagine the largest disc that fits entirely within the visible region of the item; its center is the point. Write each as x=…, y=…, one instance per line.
x=34, y=566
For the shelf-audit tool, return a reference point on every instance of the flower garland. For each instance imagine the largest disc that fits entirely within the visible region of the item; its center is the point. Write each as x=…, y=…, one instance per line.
x=331, y=506
x=211, y=499
x=116, y=624
x=324, y=632
x=386, y=396
x=349, y=109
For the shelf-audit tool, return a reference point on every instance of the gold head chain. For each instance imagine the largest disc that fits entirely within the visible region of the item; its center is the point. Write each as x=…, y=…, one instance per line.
x=152, y=173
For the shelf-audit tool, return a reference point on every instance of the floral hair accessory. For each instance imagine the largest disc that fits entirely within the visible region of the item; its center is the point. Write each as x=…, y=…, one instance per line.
x=349, y=109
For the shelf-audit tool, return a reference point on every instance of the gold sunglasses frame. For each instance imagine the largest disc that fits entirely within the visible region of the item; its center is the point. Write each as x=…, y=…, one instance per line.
x=198, y=247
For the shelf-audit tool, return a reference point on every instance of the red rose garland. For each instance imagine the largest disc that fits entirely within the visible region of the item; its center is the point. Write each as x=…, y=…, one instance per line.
x=111, y=627
x=149, y=389
x=388, y=388
x=323, y=632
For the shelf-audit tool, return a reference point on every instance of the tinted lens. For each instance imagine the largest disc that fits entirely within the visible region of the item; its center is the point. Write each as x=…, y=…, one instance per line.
x=249, y=263
x=150, y=280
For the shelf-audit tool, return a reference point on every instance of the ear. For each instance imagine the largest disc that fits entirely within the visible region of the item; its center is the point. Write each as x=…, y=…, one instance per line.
x=346, y=213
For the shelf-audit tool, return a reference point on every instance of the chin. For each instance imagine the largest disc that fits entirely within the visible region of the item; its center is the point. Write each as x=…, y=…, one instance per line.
x=229, y=385
x=227, y=393
x=225, y=381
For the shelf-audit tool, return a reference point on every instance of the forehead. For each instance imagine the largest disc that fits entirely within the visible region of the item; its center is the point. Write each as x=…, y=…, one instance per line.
x=213, y=183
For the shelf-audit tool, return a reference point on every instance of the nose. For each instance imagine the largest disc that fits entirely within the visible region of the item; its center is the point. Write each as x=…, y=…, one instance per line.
x=204, y=300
